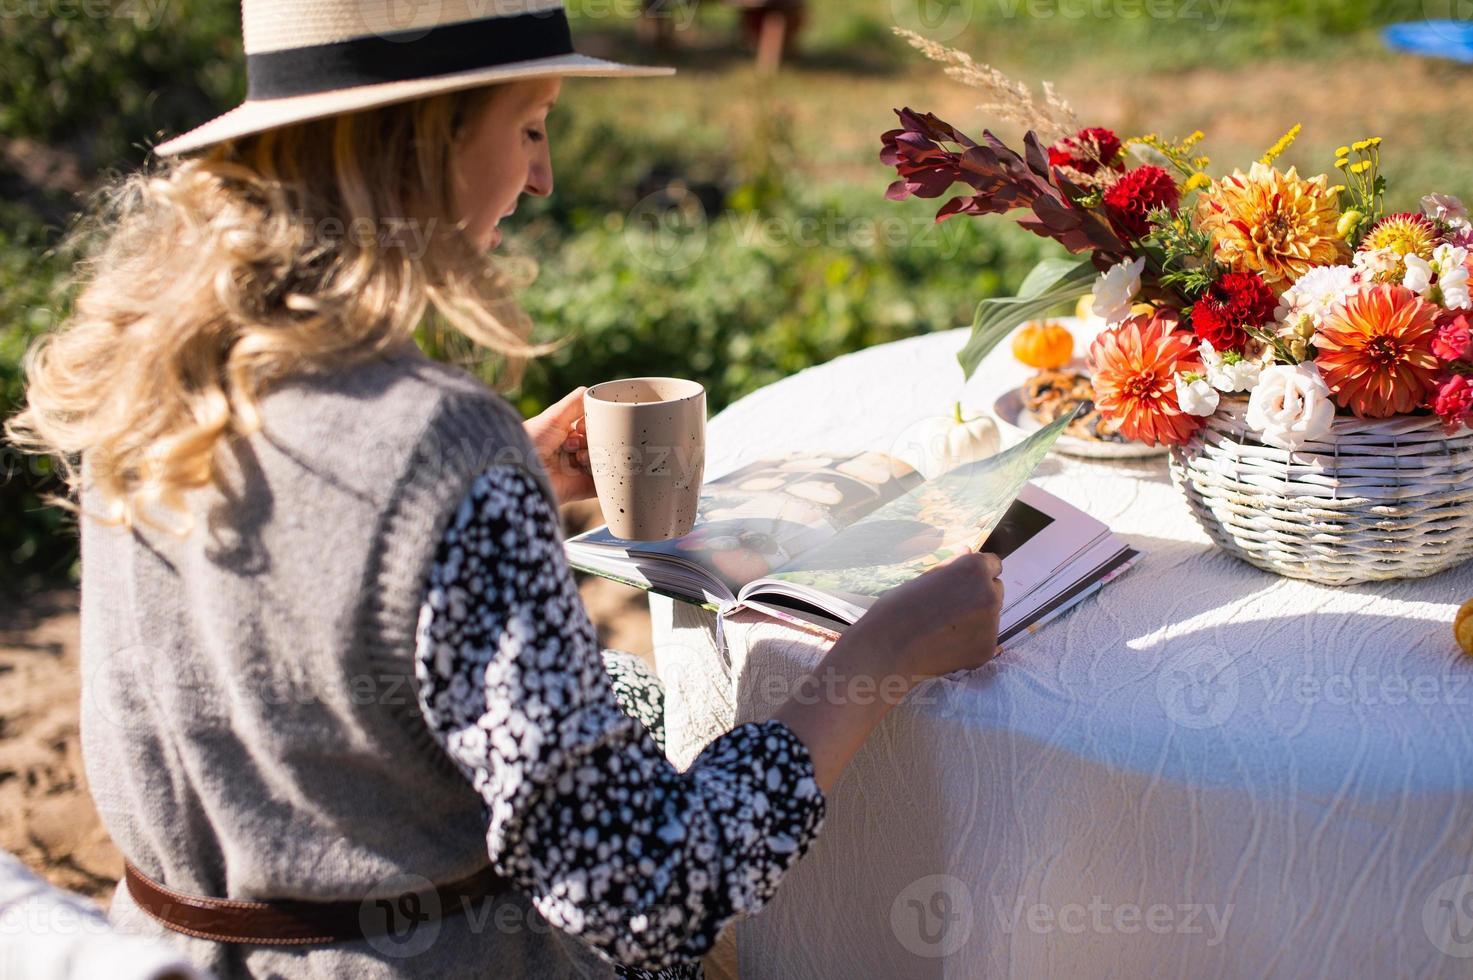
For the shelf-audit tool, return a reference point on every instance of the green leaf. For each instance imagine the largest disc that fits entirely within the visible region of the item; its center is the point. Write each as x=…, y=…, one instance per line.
x=1052, y=281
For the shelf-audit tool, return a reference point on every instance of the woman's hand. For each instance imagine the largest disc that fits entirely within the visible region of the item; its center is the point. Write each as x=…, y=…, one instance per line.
x=945, y=620
x=562, y=447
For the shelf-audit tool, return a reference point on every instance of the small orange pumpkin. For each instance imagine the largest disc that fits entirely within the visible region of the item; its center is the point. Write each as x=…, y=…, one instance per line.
x=1044, y=345
x=1463, y=627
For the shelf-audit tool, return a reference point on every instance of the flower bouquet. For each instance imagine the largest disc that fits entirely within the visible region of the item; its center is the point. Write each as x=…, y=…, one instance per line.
x=1305, y=354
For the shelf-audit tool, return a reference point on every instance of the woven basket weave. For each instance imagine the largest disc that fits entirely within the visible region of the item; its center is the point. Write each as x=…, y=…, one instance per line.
x=1375, y=499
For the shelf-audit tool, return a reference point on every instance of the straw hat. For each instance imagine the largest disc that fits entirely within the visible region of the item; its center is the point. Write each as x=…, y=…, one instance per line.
x=306, y=59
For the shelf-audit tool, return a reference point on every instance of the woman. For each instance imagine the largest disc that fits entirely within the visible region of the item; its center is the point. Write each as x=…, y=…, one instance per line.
x=343, y=711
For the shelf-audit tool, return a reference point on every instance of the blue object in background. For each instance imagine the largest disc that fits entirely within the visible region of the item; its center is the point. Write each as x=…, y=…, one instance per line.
x=1433, y=38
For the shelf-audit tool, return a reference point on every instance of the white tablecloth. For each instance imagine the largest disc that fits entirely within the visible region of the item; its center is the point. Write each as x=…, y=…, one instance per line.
x=1204, y=771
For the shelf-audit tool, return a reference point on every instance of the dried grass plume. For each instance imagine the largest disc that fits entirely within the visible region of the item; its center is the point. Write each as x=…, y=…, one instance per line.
x=1052, y=119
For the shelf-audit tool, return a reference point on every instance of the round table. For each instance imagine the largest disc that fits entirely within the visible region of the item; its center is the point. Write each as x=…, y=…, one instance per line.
x=1205, y=770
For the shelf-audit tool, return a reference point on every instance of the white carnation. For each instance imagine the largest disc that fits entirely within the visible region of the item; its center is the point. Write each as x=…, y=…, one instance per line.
x=1376, y=264
x=1238, y=374
x=1196, y=396
x=1116, y=289
x=1315, y=294
x=1291, y=405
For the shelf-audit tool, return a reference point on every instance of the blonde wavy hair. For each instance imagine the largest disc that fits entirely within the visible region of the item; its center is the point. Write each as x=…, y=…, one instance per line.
x=204, y=280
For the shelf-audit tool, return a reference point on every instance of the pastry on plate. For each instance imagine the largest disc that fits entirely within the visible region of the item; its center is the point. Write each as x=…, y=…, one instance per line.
x=1054, y=392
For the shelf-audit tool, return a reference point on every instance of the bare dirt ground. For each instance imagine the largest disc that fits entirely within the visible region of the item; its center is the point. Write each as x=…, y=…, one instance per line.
x=46, y=815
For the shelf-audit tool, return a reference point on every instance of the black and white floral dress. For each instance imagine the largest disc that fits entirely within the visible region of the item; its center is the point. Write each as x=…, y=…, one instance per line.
x=612, y=843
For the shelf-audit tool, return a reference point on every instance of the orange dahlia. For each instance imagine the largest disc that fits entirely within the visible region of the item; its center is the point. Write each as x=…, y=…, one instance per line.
x=1135, y=366
x=1376, y=351
x=1276, y=224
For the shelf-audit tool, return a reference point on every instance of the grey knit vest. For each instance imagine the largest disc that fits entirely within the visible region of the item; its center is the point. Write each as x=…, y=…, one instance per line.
x=250, y=726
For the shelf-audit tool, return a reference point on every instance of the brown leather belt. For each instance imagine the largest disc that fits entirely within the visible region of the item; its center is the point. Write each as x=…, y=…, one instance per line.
x=299, y=923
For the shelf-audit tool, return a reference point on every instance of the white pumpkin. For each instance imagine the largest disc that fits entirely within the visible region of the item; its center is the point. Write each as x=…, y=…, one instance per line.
x=942, y=443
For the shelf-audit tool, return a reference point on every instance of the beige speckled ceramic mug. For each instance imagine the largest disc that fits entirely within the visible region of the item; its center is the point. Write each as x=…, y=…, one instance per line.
x=647, y=449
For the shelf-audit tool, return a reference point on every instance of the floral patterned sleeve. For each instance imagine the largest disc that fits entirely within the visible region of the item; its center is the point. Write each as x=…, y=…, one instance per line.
x=612, y=843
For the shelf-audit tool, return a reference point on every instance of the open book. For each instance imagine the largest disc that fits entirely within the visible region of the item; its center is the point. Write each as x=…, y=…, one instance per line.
x=815, y=540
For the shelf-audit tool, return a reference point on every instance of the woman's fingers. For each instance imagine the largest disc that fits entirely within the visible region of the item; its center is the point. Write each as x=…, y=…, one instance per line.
x=567, y=412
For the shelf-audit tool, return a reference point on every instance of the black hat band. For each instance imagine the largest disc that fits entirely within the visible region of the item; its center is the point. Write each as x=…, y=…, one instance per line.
x=408, y=55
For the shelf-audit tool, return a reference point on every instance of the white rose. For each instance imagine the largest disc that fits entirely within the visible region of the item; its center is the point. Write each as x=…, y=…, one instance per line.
x=1291, y=405
x=1196, y=396
x=1116, y=289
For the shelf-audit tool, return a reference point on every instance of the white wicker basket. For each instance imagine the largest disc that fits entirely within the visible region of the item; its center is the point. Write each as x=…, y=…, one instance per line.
x=1376, y=499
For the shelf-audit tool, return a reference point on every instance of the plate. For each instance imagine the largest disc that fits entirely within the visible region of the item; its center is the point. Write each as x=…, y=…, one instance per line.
x=1012, y=415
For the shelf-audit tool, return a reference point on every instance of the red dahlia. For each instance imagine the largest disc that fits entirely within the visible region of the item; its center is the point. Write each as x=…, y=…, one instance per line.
x=1235, y=302
x=1132, y=198
x=1086, y=151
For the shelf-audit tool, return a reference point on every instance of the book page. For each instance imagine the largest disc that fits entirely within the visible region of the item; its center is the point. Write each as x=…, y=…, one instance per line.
x=768, y=513
x=930, y=523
